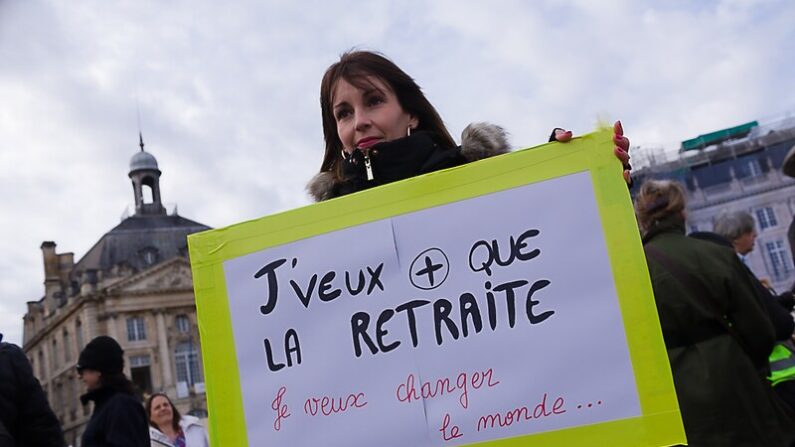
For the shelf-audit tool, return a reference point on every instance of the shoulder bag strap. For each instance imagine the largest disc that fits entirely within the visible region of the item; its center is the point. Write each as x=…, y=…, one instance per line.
x=690, y=281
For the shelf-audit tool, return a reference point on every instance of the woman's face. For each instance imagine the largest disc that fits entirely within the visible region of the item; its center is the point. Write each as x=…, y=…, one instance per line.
x=369, y=116
x=90, y=377
x=161, y=412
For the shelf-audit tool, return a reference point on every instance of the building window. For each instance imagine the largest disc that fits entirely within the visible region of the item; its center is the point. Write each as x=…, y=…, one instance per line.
x=754, y=169
x=779, y=259
x=79, y=335
x=41, y=365
x=149, y=255
x=200, y=413
x=136, y=330
x=59, y=401
x=766, y=218
x=71, y=397
x=67, y=351
x=139, y=360
x=55, y=362
x=140, y=373
x=183, y=324
x=186, y=357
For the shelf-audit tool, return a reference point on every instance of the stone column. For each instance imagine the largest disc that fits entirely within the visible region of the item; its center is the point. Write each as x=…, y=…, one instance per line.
x=165, y=353
x=90, y=320
x=45, y=348
x=113, y=329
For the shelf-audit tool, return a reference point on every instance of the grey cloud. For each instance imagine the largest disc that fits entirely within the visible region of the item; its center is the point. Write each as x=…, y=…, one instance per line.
x=228, y=94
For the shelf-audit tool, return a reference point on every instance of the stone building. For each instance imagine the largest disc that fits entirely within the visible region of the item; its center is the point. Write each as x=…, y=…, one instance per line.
x=134, y=285
x=740, y=169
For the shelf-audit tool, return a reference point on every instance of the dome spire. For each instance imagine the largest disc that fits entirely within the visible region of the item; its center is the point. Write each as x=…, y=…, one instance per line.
x=145, y=177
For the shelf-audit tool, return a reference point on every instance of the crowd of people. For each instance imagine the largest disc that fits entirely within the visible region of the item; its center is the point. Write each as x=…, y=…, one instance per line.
x=720, y=324
x=728, y=335
x=119, y=418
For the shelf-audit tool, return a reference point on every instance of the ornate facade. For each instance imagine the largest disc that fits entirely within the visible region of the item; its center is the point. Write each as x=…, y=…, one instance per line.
x=741, y=172
x=134, y=285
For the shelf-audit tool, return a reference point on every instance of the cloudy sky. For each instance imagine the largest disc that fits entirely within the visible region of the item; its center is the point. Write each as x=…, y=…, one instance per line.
x=226, y=94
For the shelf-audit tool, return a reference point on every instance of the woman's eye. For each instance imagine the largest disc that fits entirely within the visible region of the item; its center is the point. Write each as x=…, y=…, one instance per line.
x=375, y=100
x=342, y=113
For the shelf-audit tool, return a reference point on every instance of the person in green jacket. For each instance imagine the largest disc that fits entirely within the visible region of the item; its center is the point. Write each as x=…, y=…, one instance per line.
x=716, y=332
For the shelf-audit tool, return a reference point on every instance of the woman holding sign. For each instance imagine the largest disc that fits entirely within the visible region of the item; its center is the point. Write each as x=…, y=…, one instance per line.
x=717, y=333
x=380, y=128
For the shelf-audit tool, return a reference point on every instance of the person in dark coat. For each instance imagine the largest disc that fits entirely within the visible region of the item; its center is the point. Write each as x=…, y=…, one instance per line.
x=25, y=414
x=778, y=307
x=380, y=128
x=788, y=169
x=119, y=419
x=716, y=332
x=5, y=437
x=737, y=230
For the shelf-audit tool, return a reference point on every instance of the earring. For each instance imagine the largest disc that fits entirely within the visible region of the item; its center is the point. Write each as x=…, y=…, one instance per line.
x=408, y=131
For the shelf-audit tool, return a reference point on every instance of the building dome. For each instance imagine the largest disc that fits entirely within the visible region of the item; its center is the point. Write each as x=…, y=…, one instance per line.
x=143, y=160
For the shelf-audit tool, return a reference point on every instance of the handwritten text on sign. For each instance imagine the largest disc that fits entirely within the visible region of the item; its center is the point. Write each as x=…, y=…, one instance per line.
x=482, y=319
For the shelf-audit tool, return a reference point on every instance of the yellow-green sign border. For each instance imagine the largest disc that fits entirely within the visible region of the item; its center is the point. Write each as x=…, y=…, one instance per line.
x=660, y=422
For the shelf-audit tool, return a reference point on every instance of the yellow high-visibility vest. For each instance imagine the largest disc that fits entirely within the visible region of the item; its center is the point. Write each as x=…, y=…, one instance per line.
x=782, y=364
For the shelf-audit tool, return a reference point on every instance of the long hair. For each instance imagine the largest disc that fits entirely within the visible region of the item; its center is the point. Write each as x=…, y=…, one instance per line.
x=118, y=382
x=354, y=67
x=174, y=411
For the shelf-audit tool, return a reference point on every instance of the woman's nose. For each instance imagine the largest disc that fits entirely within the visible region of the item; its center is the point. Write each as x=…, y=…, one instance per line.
x=362, y=120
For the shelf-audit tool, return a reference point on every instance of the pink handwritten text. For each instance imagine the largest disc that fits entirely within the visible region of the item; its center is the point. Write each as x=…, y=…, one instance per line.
x=408, y=391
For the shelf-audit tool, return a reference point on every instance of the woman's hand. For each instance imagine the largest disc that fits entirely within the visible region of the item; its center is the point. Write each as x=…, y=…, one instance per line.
x=560, y=135
x=621, y=150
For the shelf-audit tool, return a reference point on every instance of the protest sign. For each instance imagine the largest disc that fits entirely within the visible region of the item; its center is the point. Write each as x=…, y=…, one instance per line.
x=504, y=302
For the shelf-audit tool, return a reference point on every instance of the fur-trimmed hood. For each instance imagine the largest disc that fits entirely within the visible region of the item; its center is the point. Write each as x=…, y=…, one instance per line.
x=478, y=141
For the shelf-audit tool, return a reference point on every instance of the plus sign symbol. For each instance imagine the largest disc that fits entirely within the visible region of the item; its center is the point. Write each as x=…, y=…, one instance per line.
x=429, y=269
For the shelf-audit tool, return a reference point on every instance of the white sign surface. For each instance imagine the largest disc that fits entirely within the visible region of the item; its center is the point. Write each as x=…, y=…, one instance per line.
x=466, y=322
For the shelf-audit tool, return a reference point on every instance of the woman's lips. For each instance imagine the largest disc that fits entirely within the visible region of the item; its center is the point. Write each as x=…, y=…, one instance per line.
x=365, y=143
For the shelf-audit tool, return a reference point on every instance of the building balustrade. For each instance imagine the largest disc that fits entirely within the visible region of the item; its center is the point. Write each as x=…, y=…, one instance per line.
x=721, y=190
x=757, y=181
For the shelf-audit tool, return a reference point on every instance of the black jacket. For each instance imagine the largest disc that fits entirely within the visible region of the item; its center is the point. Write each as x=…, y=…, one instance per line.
x=779, y=314
x=414, y=155
x=723, y=397
x=396, y=160
x=24, y=410
x=118, y=420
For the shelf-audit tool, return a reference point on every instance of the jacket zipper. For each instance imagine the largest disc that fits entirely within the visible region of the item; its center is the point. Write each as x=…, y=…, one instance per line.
x=368, y=166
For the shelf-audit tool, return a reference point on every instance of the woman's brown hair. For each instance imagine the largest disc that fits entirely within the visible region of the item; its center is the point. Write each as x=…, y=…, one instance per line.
x=657, y=200
x=174, y=411
x=354, y=67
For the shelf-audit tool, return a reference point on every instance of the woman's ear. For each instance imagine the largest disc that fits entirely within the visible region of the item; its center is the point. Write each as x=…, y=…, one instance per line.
x=414, y=122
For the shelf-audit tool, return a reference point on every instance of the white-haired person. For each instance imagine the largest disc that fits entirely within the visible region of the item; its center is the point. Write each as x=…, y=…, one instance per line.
x=739, y=230
x=716, y=330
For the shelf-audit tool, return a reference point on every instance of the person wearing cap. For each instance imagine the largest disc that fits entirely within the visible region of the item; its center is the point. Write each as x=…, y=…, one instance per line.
x=26, y=418
x=118, y=419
